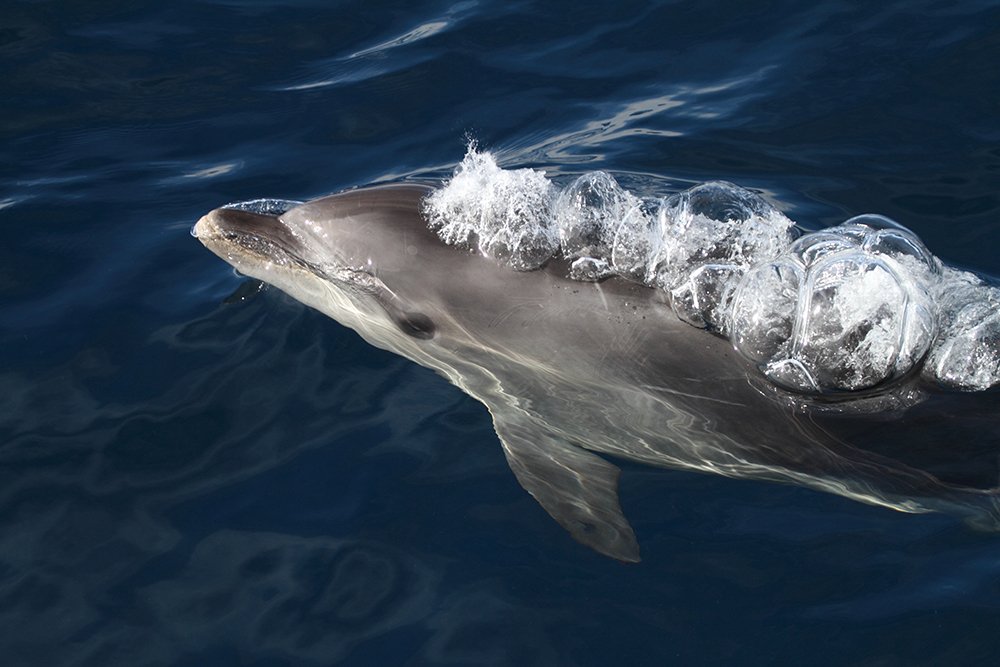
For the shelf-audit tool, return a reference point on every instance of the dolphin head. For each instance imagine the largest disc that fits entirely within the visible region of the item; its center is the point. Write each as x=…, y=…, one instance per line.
x=351, y=255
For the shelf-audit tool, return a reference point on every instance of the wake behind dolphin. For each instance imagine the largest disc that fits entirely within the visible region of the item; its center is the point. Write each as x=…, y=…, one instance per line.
x=575, y=330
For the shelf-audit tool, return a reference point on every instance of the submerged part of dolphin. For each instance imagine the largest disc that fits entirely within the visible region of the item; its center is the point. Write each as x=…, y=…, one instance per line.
x=571, y=369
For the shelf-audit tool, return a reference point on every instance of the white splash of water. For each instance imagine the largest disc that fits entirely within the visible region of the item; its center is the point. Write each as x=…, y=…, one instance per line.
x=505, y=214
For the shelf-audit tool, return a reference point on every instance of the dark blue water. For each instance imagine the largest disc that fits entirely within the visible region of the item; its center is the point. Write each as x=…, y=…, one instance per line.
x=190, y=476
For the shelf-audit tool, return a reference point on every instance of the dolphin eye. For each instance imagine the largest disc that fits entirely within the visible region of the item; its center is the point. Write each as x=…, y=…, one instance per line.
x=414, y=324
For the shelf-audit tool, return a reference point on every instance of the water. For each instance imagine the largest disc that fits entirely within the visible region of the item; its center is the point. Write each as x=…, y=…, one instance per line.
x=197, y=472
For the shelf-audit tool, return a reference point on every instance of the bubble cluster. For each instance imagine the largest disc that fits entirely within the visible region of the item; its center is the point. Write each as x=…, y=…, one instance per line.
x=967, y=356
x=709, y=236
x=844, y=309
x=852, y=308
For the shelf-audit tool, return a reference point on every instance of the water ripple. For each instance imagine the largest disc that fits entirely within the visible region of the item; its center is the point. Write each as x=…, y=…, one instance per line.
x=385, y=57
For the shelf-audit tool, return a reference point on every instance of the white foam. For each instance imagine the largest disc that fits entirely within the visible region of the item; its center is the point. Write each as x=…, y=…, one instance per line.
x=854, y=307
x=504, y=214
x=967, y=354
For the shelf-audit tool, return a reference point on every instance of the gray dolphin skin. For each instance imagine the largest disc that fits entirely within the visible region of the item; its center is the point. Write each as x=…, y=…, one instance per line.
x=573, y=372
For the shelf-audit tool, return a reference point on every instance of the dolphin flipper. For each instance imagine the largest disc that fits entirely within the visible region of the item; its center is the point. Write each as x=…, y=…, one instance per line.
x=577, y=488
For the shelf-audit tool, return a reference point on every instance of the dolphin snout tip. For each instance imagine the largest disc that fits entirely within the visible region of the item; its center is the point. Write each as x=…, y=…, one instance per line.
x=206, y=227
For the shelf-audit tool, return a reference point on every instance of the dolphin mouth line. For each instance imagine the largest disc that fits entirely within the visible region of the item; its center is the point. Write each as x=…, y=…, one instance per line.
x=267, y=249
x=241, y=231
x=271, y=250
x=263, y=237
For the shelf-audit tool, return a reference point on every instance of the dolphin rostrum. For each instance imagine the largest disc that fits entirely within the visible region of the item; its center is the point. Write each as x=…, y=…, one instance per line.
x=570, y=370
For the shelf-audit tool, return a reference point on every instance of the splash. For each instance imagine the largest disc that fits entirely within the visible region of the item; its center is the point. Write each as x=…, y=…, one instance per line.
x=264, y=206
x=852, y=308
x=504, y=214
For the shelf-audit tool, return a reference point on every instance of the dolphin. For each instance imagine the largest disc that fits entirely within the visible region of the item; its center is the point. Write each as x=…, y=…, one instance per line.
x=578, y=374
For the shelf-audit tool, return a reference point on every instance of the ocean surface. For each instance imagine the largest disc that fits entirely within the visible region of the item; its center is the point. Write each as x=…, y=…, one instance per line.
x=195, y=470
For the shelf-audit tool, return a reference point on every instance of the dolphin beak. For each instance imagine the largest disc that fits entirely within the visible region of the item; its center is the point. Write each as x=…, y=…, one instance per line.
x=263, y=235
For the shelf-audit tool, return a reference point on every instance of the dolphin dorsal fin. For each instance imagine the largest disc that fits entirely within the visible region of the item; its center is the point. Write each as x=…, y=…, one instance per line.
x=577, y=488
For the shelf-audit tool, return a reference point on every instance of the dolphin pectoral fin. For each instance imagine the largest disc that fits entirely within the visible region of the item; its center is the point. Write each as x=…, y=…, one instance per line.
x=577, y=488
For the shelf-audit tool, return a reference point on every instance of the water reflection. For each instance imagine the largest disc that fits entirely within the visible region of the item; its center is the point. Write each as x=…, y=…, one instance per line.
x=313, y=598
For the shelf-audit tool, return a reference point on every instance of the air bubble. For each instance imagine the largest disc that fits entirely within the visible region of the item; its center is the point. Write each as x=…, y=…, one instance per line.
x=764, y=311
x=709, y=236
x=845, y=306
x=590, y=270
x=588, y=212
x=967, y=356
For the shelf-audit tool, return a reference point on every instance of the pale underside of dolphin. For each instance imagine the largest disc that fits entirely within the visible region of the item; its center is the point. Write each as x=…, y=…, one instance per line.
x=571, y=370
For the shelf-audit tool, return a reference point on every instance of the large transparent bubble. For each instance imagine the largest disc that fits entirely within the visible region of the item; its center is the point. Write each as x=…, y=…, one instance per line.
x=966, y=355
x=708, y=236
x=588, y=212
x=604, y=228
x=844, y=309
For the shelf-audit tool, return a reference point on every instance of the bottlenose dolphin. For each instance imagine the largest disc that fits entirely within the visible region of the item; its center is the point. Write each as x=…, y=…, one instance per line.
x=570, y=370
